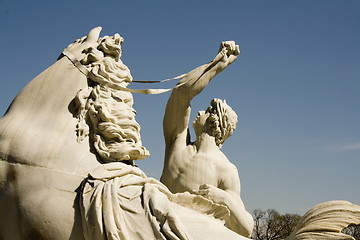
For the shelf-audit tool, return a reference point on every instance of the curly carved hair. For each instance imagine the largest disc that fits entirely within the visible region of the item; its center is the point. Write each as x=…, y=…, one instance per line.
x=104, y=112
x=222, y=120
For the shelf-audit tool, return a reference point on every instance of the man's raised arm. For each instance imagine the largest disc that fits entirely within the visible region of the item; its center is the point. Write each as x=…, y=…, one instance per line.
x=177, y=112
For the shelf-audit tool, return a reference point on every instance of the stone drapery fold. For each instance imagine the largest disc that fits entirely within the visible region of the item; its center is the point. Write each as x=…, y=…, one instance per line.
x=118, y=201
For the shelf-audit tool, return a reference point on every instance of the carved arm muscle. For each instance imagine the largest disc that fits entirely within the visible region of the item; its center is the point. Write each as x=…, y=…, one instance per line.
x=240, y=220
x=177, y=112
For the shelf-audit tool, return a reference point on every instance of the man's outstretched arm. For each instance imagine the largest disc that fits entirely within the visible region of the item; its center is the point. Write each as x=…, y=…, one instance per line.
x=177, y=112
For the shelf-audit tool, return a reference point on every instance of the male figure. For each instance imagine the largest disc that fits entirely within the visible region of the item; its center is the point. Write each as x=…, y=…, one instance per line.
x=201, y=167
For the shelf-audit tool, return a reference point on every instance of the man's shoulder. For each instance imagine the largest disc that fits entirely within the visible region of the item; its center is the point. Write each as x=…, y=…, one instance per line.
x=184, y=147
x=180, y=154
x=225, y=164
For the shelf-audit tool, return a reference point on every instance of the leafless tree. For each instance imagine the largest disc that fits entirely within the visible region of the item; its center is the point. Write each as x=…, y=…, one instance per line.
x=353, y=230
x=271, y=225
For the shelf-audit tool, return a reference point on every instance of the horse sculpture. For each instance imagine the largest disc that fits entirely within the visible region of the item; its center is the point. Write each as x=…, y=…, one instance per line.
x=67, y=146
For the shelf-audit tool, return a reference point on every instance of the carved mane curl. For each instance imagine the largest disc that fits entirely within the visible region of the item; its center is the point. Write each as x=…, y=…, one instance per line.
x=104, y=112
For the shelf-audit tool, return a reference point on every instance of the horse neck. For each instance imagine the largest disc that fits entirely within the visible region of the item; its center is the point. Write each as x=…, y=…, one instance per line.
x=39, y=129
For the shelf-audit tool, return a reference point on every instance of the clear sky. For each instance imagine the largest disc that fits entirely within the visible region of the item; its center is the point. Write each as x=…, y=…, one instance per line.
x=295, y=84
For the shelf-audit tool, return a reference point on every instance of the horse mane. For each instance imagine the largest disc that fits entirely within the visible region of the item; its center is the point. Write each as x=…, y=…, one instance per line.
x=104, y=112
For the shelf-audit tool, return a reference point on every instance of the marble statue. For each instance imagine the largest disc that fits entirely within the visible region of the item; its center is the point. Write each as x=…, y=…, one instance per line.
x=69, y=140
x=200, y=167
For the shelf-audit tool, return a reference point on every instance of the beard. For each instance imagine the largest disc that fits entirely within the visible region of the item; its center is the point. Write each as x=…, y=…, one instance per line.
x=115, y=132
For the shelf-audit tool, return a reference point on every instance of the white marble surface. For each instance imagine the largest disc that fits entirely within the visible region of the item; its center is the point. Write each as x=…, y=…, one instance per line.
x=200, y=167
x=66, y=160
x=57, y=131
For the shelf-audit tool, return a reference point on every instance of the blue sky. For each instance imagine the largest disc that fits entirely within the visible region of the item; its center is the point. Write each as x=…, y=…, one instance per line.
x=295, y=84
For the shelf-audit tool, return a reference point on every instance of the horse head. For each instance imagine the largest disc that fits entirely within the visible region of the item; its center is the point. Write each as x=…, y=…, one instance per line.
x=63, y=124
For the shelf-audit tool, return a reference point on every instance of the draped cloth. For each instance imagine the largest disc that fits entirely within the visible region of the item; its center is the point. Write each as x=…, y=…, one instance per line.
x=118, y=201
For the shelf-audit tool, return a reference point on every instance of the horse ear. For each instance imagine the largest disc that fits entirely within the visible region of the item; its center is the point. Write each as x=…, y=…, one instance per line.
x=93, y=35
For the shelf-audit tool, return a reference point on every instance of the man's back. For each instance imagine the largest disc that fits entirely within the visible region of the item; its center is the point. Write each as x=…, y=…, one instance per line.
x=192, y=167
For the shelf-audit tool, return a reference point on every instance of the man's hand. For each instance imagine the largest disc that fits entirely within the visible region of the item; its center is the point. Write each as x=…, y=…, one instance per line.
x=213, y=193
x=229, y=50
x=240, y=221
